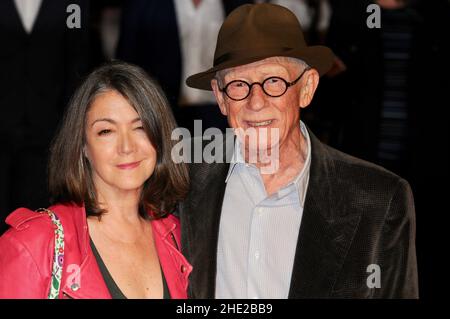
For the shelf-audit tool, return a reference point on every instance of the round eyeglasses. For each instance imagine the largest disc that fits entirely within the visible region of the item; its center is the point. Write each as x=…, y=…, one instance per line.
x=274, y=86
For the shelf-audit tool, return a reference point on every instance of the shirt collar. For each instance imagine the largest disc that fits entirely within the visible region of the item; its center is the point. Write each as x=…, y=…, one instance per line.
x=237, y=158
x=300, y=182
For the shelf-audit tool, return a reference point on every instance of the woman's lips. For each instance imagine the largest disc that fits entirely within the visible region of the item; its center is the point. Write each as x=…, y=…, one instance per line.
x=129, y=165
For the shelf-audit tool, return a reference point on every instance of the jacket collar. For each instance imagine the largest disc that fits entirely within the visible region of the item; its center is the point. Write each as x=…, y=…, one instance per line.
x=164, y=227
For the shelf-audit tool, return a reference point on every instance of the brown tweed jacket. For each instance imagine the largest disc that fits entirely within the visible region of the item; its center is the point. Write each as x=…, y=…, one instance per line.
x=356, y=214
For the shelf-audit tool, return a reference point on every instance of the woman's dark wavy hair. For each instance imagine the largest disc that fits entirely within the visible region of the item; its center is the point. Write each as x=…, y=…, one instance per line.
x=70, y=174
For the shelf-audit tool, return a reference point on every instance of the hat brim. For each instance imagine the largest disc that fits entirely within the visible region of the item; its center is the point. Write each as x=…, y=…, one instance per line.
x=318, y=57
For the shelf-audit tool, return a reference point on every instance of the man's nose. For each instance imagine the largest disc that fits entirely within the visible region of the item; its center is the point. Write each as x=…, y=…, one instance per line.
x=256, y=98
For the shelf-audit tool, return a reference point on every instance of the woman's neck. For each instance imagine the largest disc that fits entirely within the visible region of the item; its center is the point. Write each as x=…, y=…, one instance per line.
x=121, y=212
x=120, y=223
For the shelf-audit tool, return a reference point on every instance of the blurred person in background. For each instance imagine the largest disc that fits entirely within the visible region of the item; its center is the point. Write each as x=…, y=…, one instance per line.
x=384, y=101
x=315, y=18
x=170, y=40
x=41, y=62
x=313, y=14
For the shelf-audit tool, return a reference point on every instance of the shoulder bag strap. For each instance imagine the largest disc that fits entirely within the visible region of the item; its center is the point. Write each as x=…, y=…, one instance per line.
x=58, y=255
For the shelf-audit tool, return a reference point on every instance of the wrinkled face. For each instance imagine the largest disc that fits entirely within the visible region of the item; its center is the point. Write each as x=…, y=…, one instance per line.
x=261, y=112
x=122, y=157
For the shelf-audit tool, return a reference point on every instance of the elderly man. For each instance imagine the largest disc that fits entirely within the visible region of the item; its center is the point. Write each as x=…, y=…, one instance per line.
x=322, y=224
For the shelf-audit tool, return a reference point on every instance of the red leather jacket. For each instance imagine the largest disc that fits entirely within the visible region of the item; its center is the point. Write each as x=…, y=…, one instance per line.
x=27, y=249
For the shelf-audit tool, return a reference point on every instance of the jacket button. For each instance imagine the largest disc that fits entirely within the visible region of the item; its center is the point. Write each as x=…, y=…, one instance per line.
x=75, y=287
x=183, y=269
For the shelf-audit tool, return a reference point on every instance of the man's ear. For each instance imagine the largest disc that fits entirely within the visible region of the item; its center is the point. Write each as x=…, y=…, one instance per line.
x=309, y=82
x=219, y=97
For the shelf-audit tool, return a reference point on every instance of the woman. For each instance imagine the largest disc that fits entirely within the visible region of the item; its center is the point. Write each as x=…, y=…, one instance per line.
x=114, y=185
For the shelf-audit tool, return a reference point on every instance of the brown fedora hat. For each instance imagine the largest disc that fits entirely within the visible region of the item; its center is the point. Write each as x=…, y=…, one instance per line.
x=253, y=32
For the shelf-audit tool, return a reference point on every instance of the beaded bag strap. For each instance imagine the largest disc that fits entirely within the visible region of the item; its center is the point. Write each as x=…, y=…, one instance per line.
x=58, y=255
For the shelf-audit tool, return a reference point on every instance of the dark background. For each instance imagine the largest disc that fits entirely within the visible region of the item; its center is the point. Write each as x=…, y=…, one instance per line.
x=39, y=71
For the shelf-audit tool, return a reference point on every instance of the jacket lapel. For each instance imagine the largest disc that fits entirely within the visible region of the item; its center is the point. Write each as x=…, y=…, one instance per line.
x=85, y=282
x=175, y=267
x=202, y=213
x=82, y=278
x=200, y=218
x=326, y=231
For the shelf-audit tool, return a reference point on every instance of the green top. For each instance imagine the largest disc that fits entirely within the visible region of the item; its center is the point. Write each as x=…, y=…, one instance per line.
x=114, y=290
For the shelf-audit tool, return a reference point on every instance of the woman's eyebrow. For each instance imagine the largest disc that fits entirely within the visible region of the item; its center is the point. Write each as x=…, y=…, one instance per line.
x=137, y=119
x=104, y=119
